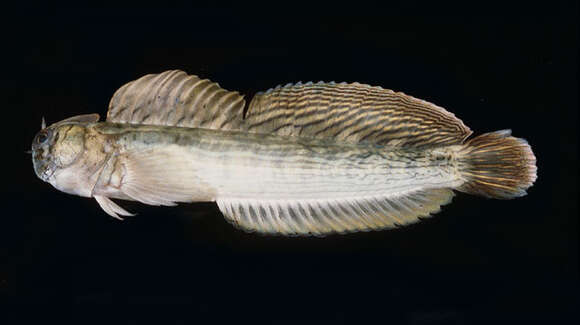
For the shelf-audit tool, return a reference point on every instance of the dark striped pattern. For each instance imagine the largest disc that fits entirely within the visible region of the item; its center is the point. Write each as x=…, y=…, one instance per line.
x=497, y=165
x=353, y=113
x=173, y=98
x=345, y=112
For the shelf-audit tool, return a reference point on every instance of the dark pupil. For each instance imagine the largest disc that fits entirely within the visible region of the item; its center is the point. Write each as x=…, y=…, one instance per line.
x=42, y=137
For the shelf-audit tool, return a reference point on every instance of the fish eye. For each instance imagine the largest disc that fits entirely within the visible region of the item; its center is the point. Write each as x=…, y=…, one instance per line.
x=42, y=137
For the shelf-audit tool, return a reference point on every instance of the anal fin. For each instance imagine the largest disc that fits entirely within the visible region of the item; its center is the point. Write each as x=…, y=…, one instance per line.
x=322, y=217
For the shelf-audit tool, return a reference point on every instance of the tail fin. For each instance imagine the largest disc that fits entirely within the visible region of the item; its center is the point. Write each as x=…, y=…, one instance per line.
x=497, y=165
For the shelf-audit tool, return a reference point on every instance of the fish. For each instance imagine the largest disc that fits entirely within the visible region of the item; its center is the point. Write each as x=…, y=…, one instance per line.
x=304, y=159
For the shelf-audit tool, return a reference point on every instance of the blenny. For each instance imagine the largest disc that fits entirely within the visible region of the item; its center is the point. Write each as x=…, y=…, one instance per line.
x=302, y=159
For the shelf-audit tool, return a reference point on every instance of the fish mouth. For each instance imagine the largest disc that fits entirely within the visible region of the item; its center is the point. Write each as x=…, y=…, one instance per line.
x=48, y=173
x=44, y=168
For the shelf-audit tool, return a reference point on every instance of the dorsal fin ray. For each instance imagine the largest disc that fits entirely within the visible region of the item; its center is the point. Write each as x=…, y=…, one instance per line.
x=176, y=99
x=340, y=111
x=353, y=113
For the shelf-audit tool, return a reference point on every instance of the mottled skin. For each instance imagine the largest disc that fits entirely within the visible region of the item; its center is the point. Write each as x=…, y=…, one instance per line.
x=69, y=155
x=86, y=158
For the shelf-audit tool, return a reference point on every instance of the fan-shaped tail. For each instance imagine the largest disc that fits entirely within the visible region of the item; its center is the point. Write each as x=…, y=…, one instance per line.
x=497, y=165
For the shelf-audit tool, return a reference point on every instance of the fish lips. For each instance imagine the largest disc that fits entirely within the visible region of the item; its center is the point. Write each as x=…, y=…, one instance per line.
x=42, y=161
x=44, y=167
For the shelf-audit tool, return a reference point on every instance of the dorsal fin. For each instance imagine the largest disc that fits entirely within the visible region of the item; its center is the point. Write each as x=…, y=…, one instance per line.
x=353, y=113
x=177, y=99
x=343, y=112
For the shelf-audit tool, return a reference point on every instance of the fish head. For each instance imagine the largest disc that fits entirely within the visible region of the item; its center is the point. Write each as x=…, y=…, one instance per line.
x=57, y=149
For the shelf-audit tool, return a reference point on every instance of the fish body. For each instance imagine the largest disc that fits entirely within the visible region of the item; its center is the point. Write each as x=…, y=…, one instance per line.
x=246, y=165
x=307, y=159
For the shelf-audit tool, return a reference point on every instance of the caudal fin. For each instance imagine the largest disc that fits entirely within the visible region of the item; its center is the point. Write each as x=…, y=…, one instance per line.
x=497, y=165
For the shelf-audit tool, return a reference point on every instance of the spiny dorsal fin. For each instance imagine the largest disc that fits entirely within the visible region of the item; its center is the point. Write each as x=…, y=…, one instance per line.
x=176, y=99
x=353, y=113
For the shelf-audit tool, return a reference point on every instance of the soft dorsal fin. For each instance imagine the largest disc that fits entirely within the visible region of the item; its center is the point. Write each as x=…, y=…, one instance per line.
x=176, y=99
x=353, y=112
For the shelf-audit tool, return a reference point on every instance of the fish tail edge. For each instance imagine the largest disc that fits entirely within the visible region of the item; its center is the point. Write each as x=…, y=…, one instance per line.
x=497, y=165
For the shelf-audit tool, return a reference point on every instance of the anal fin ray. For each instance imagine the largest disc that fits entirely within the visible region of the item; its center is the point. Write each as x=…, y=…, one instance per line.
x=322, y=217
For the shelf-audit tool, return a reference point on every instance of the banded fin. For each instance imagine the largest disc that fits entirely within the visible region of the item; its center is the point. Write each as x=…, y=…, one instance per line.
x=353, y=113
x=322, y=217
x=497, y=165
x=344, y=112
x=174, y=98
x=111, y=208
x=161, y=176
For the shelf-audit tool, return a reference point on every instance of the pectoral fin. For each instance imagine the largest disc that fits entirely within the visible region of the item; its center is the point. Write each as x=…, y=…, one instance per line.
x=162, y=176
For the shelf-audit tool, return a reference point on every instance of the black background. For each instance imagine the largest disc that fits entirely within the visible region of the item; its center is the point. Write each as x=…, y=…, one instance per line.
x=478, y=261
